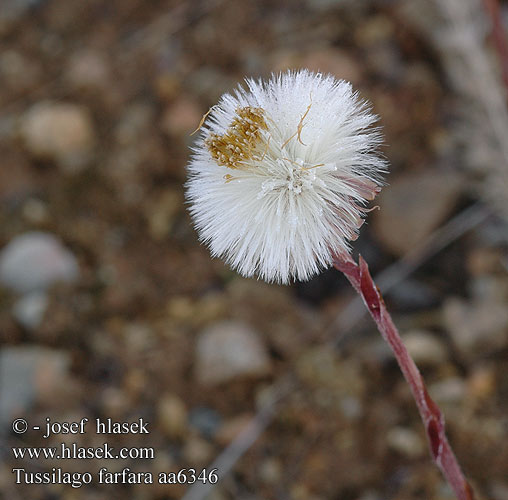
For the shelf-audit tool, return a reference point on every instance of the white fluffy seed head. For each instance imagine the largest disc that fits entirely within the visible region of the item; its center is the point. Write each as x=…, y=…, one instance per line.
x=281, y=173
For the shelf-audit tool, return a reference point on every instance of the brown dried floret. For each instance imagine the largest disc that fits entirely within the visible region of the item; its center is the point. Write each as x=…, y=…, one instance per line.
x=241, y=139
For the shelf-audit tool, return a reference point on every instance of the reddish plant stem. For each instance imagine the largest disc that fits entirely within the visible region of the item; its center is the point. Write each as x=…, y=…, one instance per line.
x=359, y=276
x=499, y=36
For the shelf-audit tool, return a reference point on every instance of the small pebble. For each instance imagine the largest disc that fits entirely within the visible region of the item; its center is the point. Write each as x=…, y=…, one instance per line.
x=88, y=70
x=35, y=211
x=452, y=390
x=405, y=441
x=271, y=471
x=477, y=327
x=197, y=451
x=62, y=132
x=34, y=261
x=29, y=310
x=28, y=374
x=482, y=383
x=425, y=348
x=228, y=350
x=172, y=415
x=205, y=420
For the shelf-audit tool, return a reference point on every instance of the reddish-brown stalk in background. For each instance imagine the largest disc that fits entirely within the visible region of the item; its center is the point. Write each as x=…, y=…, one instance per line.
x=499, y=36
x=359, y=276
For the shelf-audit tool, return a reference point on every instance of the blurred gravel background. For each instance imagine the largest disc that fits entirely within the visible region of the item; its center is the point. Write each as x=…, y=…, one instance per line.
x=109, y=307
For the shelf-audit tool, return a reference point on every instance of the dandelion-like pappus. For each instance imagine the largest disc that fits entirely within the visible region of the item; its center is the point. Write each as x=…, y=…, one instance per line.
x=281, y=175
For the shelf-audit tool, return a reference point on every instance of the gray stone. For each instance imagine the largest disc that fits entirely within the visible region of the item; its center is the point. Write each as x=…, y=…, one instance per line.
x=29, y=310
x=35, y=261
x=28, y=373
x=228, y=350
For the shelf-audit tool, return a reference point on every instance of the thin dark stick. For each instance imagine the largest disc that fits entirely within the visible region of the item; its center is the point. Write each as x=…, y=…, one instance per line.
x=228, y=458
x=433, y=420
